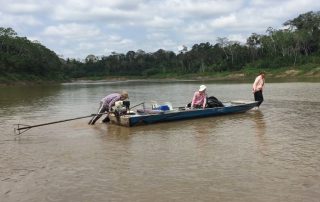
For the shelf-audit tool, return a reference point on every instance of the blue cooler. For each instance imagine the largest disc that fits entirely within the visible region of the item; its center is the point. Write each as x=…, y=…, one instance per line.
x=164, y=107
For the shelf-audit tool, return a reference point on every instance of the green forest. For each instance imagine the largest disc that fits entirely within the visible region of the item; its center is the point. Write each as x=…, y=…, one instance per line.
x=295, y=46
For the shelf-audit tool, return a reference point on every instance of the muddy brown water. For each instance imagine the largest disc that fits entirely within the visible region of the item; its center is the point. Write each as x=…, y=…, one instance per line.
x=271, y=154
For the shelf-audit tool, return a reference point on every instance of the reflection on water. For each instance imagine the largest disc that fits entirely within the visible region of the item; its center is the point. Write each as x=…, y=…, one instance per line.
x=271, y=154
x=260, y=127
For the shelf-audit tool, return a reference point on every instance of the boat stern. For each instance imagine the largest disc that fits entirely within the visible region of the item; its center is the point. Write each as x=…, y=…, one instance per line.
x=122, y=120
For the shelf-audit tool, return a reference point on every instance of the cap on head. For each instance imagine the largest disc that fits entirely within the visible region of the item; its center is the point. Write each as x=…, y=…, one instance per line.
x=202, y=88
x=124, y=95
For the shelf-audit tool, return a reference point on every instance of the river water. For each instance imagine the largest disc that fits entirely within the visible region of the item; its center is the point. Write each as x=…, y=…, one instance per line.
x=270, y=154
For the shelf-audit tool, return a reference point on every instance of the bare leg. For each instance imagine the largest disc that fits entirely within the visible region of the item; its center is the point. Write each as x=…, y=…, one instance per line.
x=101, y=110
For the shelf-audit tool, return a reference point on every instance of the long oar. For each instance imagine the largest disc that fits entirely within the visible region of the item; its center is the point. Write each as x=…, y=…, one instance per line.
x=19, y=130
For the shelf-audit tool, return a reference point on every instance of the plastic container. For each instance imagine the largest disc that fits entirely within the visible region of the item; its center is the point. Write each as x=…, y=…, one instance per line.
x=164, y=107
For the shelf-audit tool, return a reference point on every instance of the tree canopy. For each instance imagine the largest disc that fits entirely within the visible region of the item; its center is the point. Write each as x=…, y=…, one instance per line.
x=19, y=56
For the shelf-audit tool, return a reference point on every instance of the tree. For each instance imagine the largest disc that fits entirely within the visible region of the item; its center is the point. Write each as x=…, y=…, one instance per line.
x=254, y=43
x=223, y=43
x=7, y=32
x=91, y=58
x=309, y=23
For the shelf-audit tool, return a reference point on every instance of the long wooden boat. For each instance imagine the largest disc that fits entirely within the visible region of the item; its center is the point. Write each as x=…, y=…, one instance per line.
x=181, y=113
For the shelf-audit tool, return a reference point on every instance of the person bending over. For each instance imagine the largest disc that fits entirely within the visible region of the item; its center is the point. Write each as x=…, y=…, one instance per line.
x=106, y=103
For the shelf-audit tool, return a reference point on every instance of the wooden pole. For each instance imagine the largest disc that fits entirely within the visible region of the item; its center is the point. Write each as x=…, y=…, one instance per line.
x=19, y=130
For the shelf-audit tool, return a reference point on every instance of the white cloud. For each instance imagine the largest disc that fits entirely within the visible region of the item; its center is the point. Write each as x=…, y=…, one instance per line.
x=20, y=7
x=161, y=23
x=72, y=30
x=238, y=37
x=224, y=21
x=201, y=8
x=19, y=21
x=76, y=28
x=85, y=40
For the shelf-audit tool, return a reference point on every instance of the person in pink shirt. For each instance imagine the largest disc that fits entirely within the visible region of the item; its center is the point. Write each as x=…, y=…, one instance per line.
x=199, y=99
x=257, y=88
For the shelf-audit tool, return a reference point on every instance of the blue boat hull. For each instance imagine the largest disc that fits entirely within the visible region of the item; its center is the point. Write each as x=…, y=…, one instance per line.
x=181, y=114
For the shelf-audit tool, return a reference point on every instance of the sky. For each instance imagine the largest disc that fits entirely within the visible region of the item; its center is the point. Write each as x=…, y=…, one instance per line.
x=77, y=28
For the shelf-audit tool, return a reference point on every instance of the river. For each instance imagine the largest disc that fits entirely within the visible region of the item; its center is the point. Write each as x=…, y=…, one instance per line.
x=265, y=155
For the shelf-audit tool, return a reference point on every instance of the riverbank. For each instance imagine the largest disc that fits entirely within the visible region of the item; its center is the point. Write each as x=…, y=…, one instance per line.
x=308, y=74
x=248, y=74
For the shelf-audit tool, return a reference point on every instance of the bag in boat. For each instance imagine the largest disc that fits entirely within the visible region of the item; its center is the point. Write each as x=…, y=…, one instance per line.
x=213, y=102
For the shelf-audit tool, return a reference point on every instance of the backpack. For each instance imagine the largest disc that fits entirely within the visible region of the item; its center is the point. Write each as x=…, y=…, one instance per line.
x=213, y=102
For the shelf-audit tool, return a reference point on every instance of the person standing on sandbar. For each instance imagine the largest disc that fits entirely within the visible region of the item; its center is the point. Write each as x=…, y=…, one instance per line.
x=257, y=88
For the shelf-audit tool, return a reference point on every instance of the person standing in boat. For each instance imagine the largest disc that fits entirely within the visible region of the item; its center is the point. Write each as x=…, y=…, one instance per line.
x=257, y=88
x=199, y=99
x=106, y=103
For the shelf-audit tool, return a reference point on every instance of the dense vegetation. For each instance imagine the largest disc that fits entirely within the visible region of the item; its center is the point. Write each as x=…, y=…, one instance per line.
x=23, y=59
x=297, y=45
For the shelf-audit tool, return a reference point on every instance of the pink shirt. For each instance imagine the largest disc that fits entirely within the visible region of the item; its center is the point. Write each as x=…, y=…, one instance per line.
x=199, y=99
x=258, y=84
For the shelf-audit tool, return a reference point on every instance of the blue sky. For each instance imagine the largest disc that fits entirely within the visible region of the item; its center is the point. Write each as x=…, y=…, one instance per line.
x=77, y=28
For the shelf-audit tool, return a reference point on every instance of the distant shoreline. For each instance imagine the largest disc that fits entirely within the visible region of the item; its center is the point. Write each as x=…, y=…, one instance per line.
x=287, y=75
x=241, y=76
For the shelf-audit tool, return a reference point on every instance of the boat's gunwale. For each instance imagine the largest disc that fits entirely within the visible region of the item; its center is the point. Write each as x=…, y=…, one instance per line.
x=138, y=119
